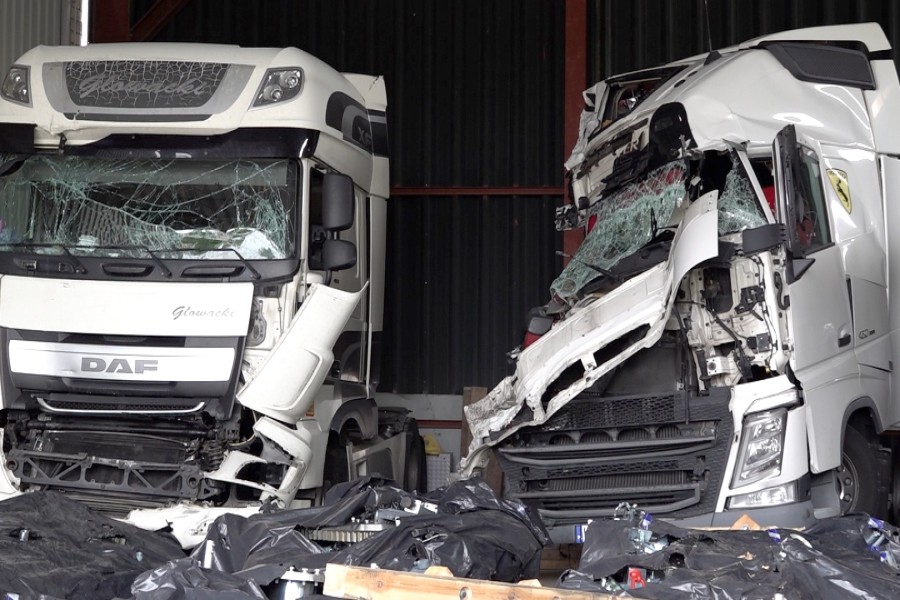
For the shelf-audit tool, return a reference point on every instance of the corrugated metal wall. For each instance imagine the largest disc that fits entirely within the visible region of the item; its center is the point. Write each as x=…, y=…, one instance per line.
x=475, y=99
x=625, y=35
x=27, y=23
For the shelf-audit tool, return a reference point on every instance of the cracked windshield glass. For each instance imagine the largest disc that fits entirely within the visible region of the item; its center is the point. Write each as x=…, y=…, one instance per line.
x=191, y=209
x=621, y=224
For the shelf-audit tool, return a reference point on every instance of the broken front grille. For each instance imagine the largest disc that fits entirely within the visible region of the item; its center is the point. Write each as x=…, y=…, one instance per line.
x=159, y=464
x=664, y=453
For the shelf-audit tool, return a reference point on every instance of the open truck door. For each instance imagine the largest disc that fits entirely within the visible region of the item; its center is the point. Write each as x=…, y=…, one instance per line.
x=821, y=326
x=824, y=361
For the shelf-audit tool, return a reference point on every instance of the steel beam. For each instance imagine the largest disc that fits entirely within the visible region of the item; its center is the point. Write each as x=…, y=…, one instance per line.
x=574, y=82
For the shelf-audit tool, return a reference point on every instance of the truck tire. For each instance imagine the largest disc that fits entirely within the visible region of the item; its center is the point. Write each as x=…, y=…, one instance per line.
x=859, y=483
x=415, y=472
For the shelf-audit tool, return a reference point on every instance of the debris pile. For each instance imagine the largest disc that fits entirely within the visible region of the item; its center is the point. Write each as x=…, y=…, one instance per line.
x=53, y=547
x=855, y=555
x=464, y=527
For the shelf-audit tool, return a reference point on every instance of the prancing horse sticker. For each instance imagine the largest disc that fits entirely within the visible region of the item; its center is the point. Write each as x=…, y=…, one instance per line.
x=841, y=187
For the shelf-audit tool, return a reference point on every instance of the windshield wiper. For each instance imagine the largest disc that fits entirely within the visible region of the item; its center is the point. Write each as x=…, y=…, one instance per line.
x=605, y=272
x=156, y=260
x=246, y=263
x=153, y=255
x=79, y=266
x=159, y=262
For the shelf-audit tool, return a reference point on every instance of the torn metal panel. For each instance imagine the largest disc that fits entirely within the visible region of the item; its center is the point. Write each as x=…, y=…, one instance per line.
x=632, y=315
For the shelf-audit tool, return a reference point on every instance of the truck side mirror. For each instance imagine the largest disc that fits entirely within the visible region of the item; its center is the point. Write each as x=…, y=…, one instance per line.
x=338, y=255
x=337, y=202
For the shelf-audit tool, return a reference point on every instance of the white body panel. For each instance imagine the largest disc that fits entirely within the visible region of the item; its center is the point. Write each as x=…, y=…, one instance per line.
x=288, y=381
x=125, y=308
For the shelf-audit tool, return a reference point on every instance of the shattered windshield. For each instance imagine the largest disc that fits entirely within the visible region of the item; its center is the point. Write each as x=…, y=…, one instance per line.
x=621, y=224
x=198, y=209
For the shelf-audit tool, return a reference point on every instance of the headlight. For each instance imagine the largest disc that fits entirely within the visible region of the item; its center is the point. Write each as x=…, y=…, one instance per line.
x=762, y=442
x=256, y=335
x=279, y=85
x=16, y=85
x=780, y=494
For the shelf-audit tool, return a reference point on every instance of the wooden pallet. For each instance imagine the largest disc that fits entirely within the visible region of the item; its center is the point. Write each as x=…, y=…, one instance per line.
x=437, y=583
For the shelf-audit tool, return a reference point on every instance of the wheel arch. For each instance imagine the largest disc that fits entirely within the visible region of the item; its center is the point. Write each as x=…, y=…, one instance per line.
x=862, y=415
x=359, y=416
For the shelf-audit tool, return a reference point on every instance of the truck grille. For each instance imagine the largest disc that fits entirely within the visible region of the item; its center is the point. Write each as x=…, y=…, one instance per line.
x=664, y=453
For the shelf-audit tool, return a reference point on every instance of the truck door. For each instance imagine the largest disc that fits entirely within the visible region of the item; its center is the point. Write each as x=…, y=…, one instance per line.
x=823, y=357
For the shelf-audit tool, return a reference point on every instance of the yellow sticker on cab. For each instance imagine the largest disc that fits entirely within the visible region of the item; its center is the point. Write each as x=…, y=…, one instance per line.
x=841, y=187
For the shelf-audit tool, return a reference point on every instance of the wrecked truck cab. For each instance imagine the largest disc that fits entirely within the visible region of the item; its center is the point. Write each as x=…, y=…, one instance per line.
x=720, y=342
x=191, y=278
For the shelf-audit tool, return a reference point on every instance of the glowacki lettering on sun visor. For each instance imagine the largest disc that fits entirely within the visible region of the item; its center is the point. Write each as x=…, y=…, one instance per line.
x=142, y=84
x=189, y=312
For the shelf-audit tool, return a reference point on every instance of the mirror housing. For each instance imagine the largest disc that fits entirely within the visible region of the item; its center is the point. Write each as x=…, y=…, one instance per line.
x=338, y=255
x=337, y=202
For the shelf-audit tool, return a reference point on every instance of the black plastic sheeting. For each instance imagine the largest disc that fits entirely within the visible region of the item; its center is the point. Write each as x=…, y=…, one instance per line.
x=473, y=533
x=853, y=556
x=54, y=547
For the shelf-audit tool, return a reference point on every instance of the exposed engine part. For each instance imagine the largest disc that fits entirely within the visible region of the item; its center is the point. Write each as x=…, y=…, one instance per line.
x=297, y=584
x=353, y=533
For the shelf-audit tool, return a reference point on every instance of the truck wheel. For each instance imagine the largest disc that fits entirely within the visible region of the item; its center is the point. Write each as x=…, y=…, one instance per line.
x=858, y=481
x=414, y=472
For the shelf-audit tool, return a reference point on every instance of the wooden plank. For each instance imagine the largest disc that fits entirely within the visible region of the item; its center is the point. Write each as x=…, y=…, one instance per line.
x=378, y=584
x=438, y=424
x=492, y=475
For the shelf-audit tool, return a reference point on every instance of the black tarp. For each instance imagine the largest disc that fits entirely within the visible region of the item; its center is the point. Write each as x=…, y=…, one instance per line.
x=472, y=532
x=55, y=547
x=848, y=557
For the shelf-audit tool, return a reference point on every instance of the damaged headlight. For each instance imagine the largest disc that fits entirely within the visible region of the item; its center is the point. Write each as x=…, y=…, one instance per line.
x=762, y=443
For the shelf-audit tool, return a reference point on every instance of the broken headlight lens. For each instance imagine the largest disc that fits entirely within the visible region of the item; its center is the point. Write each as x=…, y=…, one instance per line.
x=762, y=442
x=780, y=494
x=16, y=85
x=279, y=85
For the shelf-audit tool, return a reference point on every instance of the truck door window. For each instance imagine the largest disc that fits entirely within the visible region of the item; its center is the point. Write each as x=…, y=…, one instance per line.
x=810, y=214
x=317, y=233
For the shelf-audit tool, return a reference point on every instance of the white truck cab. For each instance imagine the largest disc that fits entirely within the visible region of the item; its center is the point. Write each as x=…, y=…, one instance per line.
x=723, y=342
x=191, y=276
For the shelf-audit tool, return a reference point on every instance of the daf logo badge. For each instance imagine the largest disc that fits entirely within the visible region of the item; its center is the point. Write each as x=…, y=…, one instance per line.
x=91, y=364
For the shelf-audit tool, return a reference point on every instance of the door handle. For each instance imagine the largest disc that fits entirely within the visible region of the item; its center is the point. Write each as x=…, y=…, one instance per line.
x=844, y=340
